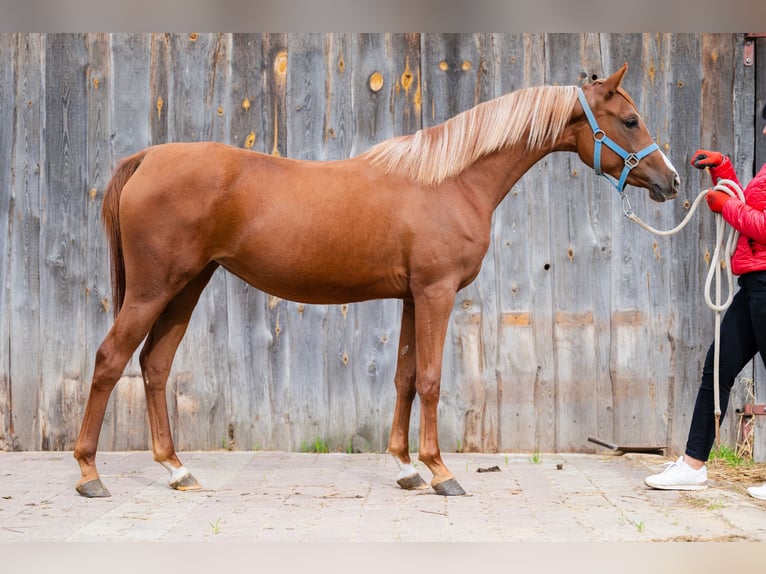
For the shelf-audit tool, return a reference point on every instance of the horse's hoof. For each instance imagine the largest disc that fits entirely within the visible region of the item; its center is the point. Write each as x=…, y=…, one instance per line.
x=93, y=489
x=412, y=482
x=186, y=482
x=449, y=487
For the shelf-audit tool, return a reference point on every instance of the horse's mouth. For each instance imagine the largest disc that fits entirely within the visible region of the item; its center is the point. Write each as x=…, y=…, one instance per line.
x=660, y=193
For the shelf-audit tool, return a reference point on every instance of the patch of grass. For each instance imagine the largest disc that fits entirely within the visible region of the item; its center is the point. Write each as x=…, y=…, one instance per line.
x=729, y=456
x=216, y=526
x=715, y=505
x=536, y=458
x=704, y=503
x=317, y=446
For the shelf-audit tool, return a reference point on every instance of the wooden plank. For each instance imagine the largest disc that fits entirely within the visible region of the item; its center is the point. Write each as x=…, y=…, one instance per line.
x=475, y=315
x=159, y=90
x=386, y=86
x=639, y=362
x=691, y=332
x=581, y=274
x=7, y=204
x=743, y=94
x=384, y=71
x=28, y=159
x=197, y=83
x=130, y=109
x=450, y=63
x=520, y=237
x=97, y=305
x=251, y=126
x=301, y=348
x=119, y=109
x=341, y=322
x=62, y=272
x=276, y=132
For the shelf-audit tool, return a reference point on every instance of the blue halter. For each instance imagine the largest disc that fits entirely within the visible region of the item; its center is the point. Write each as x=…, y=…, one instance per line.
x=631, y=159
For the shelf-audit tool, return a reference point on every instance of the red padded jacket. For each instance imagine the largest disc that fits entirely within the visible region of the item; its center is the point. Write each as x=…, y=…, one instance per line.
x=749, y=218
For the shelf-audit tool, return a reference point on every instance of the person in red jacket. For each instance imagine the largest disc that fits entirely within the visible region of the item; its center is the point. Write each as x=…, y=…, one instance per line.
x=743, y=327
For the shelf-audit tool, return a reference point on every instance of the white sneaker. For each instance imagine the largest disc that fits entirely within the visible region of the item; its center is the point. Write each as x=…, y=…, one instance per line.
x=758, y=492
x=679, y=476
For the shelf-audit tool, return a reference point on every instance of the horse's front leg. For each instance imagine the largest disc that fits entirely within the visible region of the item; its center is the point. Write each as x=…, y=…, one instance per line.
x=432, y=312
x=404, y=380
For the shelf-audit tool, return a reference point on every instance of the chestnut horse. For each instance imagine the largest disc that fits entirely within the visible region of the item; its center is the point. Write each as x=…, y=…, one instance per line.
x=408, y=219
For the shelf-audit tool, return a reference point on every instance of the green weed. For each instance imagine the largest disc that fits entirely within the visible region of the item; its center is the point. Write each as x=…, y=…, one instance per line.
x=729, y=456
x=715, y=505
x=317, y=446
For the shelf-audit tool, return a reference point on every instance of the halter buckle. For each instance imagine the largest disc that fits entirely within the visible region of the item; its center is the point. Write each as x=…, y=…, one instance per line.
x=598, y=135
x=631, y=160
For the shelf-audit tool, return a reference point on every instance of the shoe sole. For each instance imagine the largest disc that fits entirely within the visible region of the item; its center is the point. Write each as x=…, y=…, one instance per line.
x=757, y=497
x=677, y=486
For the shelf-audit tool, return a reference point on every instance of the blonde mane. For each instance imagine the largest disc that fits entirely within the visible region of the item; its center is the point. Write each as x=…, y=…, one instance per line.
x=435, y=154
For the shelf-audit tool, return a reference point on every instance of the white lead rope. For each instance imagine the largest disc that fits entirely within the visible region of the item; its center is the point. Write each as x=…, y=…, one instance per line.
x=721, y=260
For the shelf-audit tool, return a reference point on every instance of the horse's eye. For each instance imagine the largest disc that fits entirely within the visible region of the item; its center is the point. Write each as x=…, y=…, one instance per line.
x=631, y=123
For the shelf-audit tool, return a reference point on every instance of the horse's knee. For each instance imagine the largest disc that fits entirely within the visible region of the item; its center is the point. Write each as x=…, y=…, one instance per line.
x=428, y=386
x=155, y=372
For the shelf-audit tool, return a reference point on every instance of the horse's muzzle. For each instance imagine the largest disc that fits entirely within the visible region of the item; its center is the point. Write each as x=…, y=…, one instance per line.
x=660, y=193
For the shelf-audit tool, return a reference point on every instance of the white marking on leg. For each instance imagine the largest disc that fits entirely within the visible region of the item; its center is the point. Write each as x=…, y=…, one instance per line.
x=406, y=469
x=176, y=474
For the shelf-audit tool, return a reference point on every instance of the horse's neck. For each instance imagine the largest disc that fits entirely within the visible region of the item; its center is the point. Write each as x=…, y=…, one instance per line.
x=493, y=176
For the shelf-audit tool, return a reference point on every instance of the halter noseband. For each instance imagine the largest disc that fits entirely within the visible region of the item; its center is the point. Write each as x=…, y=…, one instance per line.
x=631, y=159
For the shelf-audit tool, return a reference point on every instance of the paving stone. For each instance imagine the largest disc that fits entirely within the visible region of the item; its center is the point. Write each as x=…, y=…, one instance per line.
x=291, y=497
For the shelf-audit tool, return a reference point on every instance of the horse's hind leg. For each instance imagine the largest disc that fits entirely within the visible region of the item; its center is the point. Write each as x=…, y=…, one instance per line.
x=156, y=359
x=130, y=327
x=404, y=380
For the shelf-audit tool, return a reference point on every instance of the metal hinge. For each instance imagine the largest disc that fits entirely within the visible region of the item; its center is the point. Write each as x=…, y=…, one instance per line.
x=750, y=410
x=748, y=55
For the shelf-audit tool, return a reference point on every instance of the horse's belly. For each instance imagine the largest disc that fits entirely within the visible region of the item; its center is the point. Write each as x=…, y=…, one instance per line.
x=319, y=280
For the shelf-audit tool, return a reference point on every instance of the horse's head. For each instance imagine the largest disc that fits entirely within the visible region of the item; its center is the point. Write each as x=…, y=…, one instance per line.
x=612, y=138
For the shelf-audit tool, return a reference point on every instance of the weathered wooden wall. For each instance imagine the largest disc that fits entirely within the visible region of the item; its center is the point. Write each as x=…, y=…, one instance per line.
x=580, y=322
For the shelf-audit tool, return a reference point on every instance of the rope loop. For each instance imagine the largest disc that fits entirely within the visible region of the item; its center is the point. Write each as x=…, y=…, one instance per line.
x=723, y=251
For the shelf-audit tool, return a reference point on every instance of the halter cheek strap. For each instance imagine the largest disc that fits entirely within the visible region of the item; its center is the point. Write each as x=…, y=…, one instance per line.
x=631, y=159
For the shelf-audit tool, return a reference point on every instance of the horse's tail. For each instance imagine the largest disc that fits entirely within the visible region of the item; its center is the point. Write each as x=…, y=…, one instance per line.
x=110, y=216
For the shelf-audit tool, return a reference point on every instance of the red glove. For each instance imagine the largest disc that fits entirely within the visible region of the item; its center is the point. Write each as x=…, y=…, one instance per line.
x=703, y=158
x=716, y=200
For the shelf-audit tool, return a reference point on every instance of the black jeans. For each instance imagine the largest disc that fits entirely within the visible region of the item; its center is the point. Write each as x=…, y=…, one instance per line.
x=743, y=334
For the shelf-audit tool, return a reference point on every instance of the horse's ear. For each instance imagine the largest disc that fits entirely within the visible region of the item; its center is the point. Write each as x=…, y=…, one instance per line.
x=613, y=82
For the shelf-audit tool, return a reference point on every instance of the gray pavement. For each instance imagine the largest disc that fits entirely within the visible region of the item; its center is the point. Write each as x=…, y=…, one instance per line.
x=300, y=497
